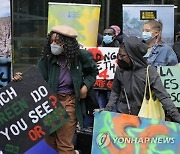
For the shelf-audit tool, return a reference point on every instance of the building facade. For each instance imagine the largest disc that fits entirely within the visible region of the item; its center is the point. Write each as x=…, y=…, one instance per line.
x=30, y=20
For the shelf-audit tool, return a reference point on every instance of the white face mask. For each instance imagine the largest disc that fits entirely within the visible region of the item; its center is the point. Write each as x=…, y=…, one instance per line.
x=56, y=49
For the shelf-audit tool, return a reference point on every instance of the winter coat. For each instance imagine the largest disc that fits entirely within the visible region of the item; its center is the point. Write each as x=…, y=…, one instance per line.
x=83, y=71
x=133, y=81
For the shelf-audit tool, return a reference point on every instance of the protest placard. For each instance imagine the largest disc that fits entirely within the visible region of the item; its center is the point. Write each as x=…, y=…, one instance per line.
x=127, y=134
x=29, y=111
x=106, y=60
x=170, y=77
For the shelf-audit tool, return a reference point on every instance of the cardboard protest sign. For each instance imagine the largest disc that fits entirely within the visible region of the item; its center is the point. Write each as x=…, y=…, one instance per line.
x=122, y=133
x=170, y=78
x=106, y=60
x=29, y=111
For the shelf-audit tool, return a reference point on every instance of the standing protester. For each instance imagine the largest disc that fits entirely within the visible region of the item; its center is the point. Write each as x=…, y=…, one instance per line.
x=109, y=40
x=70, y=72
x=130, y=79
x=117, y=29
x=159, y=53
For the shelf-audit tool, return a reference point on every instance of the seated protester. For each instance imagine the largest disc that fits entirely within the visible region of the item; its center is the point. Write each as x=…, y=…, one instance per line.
x=176, y=45
x=130, y=77
x=109, y=38
x=159, y=53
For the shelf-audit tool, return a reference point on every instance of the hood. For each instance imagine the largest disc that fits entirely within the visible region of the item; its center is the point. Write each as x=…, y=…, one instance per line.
x=136, y=49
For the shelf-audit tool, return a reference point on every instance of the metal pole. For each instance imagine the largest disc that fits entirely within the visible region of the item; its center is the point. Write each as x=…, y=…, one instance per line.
x=107, y=13
x=152, y=1
x=162, y=1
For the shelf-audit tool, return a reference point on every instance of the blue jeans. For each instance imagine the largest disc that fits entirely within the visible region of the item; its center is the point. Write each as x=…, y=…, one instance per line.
x=102, y=97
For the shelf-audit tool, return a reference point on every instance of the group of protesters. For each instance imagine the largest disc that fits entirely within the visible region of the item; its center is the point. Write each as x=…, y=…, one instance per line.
x=71, y=72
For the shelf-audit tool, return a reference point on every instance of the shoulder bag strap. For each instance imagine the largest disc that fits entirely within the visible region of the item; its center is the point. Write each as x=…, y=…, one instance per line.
x=129, y=108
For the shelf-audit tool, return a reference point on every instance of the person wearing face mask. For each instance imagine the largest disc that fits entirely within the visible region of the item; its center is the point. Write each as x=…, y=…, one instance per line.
x=130, y=81
x=70, y=72
x=109, y=38
x=159, y=53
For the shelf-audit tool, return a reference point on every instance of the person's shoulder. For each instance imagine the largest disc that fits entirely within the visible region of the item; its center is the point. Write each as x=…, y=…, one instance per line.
x=166, y=46
x=84, y=52
x=85, y=55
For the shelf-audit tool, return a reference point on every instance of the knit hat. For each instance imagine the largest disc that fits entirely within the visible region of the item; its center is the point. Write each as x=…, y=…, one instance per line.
x=65, y=30
x=117, y=29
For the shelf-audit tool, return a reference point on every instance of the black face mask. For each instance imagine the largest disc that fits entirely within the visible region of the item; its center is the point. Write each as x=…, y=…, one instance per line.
x=124, y=65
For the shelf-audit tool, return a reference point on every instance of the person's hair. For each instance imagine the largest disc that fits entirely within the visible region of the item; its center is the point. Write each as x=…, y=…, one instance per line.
x=122, y=47
x=158, y=26
x=155, y=24
x=71, y=47
x=112, y=29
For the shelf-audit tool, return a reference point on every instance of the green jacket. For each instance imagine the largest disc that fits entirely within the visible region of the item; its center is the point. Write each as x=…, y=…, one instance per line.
x=83, y=71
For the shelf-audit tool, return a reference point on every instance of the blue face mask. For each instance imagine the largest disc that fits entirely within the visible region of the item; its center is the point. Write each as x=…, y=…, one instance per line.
x=107, y=39
x=147, y=36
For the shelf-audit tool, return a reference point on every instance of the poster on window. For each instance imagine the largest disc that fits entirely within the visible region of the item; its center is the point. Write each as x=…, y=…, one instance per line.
x=134, y=16
x=106, y=60
x=116, y=133
x=5, y=43
x=82, y=17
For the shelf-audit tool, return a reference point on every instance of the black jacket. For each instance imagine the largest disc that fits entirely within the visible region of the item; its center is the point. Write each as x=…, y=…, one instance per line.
x=134, y=83
x=176, y=48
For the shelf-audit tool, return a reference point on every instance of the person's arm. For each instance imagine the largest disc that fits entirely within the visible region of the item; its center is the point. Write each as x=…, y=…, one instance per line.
x=161, y=93
x=90, y=71
x=172, y=57
x=115, y=92
x=42, y=67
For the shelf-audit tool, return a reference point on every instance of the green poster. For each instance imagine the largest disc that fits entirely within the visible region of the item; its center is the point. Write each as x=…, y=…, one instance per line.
x=170, y=76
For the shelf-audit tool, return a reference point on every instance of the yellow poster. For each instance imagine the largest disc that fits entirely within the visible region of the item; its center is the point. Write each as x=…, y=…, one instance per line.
x=82, y=17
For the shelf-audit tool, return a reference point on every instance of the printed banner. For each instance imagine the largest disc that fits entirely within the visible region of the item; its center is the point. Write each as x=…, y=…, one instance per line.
x=106, y=60
x=82, y=17
x=170, y=77
x=5, y=43
x=134, y=16
x=29, y=111
x=126, y=134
